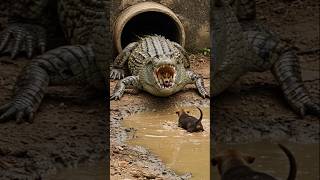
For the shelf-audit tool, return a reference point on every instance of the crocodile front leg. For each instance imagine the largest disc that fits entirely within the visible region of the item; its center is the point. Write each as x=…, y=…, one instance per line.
x=198, y=80
x=122, y=84
x=117, y=71
x=54, y=67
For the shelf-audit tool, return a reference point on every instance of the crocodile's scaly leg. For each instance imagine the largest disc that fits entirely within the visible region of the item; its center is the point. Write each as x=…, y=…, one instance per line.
x=198, y=80
x=117, y=71
x=54, y=67
x=229, y=48
x=24, y=32
x=21, y=37
x=285, y=66
x=132, y=81
x=287, y=72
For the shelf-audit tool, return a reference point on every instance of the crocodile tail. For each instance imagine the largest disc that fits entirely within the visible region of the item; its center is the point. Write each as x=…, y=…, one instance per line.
x=287, y=71
x=292, y=161
x=200, y=118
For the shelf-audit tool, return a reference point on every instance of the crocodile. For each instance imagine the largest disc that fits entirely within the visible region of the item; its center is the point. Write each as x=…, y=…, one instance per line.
x=157, y=65
x=84, y=56
x=240, y=44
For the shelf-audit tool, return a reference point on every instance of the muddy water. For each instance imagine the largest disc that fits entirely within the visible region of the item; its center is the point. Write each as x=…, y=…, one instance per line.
x=270, y=159
x=82, y=172
x=181, y=151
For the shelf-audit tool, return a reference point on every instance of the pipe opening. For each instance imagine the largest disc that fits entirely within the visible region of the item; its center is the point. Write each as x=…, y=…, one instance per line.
x=147, y=18
x=150, y=23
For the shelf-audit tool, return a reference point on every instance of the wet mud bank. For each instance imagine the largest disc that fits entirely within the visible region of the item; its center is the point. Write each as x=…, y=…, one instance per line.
x=65, y=133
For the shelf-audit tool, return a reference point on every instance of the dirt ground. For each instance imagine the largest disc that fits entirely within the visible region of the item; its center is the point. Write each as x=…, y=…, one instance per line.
x=69, y=128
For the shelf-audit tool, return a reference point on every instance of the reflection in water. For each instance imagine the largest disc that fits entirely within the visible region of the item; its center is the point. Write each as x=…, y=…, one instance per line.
x=181, y=151
x=272, y=160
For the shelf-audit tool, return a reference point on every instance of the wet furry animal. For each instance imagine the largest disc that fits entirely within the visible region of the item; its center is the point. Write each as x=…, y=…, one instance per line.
x=233, y=165
x=189, y=123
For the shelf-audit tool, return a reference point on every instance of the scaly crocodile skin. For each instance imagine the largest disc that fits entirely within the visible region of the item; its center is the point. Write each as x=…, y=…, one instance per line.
x=242, y=45
x=85, y=26
x=155, y=50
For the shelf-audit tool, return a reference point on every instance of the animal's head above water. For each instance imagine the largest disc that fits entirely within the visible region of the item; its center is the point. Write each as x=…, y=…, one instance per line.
x=182, y=112
x=189, y=123
x=231, y=158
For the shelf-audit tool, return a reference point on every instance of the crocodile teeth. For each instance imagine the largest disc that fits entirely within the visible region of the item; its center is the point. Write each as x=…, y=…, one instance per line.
x=165, y=76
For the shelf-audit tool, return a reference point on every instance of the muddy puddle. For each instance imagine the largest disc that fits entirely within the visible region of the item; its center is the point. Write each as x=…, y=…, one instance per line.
x=270, y=159
x=181, y=151
x=82, y=172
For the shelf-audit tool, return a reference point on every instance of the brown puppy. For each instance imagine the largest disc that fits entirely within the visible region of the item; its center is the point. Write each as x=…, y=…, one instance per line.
x=232, y=165
x=189, y=123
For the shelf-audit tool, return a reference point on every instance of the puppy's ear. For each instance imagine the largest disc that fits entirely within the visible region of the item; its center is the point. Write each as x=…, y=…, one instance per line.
x=249, y=159
x=215, y=161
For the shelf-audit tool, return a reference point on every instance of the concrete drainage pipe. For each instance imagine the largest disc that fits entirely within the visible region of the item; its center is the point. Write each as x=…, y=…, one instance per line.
x=146, y=18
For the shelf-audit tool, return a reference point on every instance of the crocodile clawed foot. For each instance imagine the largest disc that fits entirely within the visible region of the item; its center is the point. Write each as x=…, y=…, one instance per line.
x=10, y=110
x=117, y=74
x=307, y=108
x=312, y=109
x=20, y=37
x=204, y=94
x=115, y=96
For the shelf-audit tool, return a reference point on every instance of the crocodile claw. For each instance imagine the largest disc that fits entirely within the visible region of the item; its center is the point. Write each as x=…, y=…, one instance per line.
x=20, y=37
x=312, y=109
x=117, y=74
x=10, y=110
x=116, y=96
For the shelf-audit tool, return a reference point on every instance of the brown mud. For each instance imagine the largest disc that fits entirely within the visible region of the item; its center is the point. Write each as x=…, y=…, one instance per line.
x=69, y=129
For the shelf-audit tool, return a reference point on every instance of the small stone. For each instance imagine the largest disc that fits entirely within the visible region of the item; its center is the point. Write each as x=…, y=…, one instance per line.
x=120, y=148
x=62, y=105
x=136, y=174
x=91, y=111
x=149, y=175
x=123, y=163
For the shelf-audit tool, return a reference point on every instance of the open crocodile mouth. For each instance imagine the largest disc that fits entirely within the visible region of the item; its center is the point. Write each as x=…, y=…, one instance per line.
x=165, y=75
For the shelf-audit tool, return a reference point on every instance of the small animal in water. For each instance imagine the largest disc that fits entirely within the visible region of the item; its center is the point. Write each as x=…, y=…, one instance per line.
x=189, y=123
x=233, y=165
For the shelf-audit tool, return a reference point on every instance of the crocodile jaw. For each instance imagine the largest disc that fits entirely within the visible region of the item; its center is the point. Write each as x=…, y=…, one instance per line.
x=165, y=76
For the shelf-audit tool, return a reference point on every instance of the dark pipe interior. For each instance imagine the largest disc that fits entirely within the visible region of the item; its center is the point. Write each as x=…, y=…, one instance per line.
x=149, y=23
